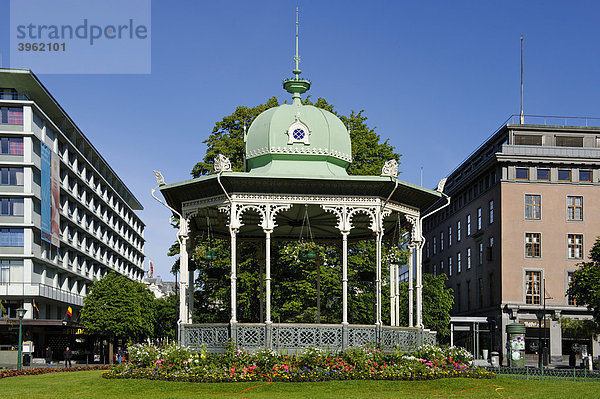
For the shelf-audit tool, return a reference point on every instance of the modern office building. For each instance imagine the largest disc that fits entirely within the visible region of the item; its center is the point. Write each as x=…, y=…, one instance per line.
x=524, y=212
x=66, y=218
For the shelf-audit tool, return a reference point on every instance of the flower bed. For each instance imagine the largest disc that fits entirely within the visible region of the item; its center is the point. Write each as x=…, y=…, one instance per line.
x=178, y=364
x=47, y=370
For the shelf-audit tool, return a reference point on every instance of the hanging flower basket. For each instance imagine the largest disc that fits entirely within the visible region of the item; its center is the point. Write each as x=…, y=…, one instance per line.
x=210, y=255
x=308, y=254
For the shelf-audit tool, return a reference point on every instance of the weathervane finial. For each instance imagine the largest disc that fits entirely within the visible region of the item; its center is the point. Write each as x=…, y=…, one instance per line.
x=297, y=56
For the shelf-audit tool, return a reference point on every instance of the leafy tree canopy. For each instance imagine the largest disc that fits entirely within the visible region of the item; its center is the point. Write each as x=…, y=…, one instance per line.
x=119, y=307
x=585, y=283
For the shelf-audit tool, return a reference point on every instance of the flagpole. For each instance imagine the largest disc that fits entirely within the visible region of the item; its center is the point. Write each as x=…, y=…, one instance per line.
x=522, y=116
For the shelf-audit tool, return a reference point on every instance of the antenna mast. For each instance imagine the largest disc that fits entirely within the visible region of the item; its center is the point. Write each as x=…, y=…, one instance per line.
x=522, y=116
x=297, y=56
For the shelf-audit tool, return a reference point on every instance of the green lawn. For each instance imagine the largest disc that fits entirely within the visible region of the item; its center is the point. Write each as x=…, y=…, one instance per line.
x=90, y=384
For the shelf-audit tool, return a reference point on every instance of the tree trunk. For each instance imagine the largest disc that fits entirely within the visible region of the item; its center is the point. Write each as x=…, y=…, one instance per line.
x=110, y=350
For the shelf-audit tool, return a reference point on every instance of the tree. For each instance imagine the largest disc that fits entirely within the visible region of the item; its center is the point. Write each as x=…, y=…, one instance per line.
x=118, y=308
x=294, y=280
x=584, y=287
x=166, y=309
x=437, y=303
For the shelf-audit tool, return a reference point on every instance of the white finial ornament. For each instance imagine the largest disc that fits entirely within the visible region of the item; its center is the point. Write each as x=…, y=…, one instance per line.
x=390, y=168
x=222, y=164
x=160, y=180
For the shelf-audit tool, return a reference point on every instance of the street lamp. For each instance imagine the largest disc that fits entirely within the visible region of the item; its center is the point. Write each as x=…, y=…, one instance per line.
x=20, y=313
x=540, y=314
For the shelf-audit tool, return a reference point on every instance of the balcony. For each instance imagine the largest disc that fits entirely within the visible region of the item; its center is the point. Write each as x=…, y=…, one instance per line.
x=40, y=290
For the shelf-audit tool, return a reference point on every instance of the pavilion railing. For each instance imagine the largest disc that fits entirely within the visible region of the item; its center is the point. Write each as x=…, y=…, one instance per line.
x=291, y=338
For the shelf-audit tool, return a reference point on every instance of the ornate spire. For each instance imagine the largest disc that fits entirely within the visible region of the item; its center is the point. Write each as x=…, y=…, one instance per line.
x=296, y=86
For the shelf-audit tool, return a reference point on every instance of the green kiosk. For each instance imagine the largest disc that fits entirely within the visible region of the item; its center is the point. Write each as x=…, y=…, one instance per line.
x=516, y=342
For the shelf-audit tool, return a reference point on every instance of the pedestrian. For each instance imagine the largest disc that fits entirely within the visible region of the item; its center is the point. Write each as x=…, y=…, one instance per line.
x=68, y=356
x=48, y=357
x=119, y=355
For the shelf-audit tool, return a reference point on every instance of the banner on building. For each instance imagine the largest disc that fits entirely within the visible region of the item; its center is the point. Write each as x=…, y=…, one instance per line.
x=50, y=192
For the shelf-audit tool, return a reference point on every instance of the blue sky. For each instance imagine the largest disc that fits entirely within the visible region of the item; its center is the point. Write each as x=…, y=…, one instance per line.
x=435, y=77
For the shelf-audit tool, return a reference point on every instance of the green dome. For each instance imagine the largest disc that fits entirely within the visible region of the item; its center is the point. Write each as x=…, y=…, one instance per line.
x=297, y=139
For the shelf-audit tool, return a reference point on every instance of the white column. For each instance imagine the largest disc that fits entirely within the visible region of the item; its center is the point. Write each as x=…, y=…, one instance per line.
x=392, y=296
x=191, y=296
x=397, y=295
x=233, y=232
x=345, y=277
x=419, y=286
x=411, y=277
x=268, y=276
x=379, y=235
x=183, y=273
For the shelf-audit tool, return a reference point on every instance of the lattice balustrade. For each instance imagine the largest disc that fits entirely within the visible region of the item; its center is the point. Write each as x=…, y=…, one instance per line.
x=361, y=335
x=403, y=338
x=214, y=336
x=296, y=337
x=251, y=336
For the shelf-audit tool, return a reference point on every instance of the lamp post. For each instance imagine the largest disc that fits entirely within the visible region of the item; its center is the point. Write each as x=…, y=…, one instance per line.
x=20, y=313
x=540, y=315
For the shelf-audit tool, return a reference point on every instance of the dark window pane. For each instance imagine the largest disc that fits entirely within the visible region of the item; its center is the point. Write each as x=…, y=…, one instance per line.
x=564, y=174
x=4, y=176
x=522, y=173
x=4, y=145
x=585, y=175
x=543, y=174
x=527, y=140
x=569, y=141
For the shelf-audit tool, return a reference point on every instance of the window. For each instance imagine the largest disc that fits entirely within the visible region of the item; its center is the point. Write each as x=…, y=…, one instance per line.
x=491, y=212
x=458, y=297
x=574, y=208
x=533, y=206
x=532, y=287
x=434, y=245
x=441, y=241
x=5, y=265
x=428, y=249
x=11, y=176
x=543, y=174
x=11, y=116
x=571, y=300
x=449, y=236
x=479, y=219
x=11, y=237
x=11, y=145
x=480, y=292
x=585, y=175
x=468, y=258
x=468, y=225
x=490, y=254
x=575, y=246
x=522, y=173
x=11, y=207
x=533, y=246
x=435, y=270
x=480, y=254
x=458, y=231
x=442, y=266
x=526, y=139
x=450, y=265
x=468, y=295
x=562, y=141
x=564, y=175
x=458, y=262
x=491, y=288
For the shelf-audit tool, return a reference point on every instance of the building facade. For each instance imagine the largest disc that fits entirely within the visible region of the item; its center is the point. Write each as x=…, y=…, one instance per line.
x=65, y=216
x=523, y=214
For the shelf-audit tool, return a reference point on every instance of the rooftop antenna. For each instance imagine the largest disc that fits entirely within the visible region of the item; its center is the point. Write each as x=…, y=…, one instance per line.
x=522, y=116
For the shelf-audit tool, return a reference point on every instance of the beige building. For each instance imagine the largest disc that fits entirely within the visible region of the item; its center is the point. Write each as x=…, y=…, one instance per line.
x=523, y=214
